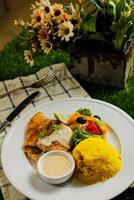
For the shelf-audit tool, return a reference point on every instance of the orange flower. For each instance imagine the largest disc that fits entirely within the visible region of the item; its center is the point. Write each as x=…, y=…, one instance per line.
x=37, y=18
x=66, y=17
x=42, y=35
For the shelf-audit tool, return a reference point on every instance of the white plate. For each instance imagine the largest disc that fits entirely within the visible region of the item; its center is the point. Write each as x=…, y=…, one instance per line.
x=21, y=174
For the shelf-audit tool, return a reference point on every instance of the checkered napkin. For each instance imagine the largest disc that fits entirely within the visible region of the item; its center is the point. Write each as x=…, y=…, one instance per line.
x=63, y=86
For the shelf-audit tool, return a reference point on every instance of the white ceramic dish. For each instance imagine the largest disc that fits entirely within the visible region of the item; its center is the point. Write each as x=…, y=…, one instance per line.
x=59, y=179
x=21, y=174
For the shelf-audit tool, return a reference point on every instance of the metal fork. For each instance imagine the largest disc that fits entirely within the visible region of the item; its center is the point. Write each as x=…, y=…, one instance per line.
x=43, y=81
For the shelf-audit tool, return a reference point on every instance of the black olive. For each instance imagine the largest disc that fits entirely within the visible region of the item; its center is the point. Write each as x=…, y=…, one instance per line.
x=81, y=120
x=96, y=116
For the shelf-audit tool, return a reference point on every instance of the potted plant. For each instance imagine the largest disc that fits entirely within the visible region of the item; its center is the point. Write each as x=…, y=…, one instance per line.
x=98, y=34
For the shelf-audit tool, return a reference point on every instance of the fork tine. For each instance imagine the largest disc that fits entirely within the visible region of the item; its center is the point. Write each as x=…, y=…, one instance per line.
x=47, y=75
x=43, y=78
x=46, y=79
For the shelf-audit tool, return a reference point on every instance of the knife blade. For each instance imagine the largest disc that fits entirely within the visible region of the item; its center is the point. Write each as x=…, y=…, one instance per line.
x=17, y=110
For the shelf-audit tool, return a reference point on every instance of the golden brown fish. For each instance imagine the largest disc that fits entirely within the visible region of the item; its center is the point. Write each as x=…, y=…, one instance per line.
x=38, y=126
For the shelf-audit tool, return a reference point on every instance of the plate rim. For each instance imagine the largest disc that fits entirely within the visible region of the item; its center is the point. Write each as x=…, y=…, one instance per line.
x=7, y=137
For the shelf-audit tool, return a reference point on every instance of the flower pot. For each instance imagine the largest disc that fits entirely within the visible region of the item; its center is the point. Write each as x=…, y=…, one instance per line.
x=103, y=67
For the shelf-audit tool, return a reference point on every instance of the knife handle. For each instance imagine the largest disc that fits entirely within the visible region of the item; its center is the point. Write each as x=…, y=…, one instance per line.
x=3, y=125
x=18, y=109
x=21, y=106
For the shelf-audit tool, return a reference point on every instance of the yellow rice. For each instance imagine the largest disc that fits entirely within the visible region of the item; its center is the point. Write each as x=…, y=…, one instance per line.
x=96, y=160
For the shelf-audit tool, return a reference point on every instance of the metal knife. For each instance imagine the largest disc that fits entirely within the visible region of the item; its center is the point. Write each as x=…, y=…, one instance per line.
x=17, y=110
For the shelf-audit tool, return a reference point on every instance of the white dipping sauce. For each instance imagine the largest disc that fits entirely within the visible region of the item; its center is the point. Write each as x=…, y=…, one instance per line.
x=56, y=165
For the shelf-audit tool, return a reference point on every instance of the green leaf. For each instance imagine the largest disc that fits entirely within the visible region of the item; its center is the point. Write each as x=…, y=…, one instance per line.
x=56, y=127
x=112, y=9
x=84, y=111
x=42, y=134
x=118, y=41
x=80, y=135
x=99, y=123
x=128, y=37
x=68, y=9
x=89, y=25
x=119, y=9
x=97, y=36
x=99, y=4
x=75, y=38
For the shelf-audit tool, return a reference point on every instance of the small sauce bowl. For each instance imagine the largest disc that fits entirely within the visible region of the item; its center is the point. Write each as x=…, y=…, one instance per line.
x=56, y=167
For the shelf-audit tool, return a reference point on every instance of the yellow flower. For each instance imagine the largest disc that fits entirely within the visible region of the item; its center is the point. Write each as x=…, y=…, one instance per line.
x=46, y=8
x=80, y=1
x=65, y=30
x=16, y=23
x=19, y=22
x=28, y=57
x=66, y=17
x=37, y=18
x=46, y=46
x=37, y=4
x=33, y=7
x=76, y=18
x=34, y=47
x=57, y=10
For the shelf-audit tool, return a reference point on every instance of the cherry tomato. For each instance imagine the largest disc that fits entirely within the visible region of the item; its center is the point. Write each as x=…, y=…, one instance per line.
x=92, y=128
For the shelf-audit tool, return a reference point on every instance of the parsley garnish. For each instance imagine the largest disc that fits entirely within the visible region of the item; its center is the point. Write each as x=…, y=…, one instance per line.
x=84, y=111
x=42, y=134
x=56, y=127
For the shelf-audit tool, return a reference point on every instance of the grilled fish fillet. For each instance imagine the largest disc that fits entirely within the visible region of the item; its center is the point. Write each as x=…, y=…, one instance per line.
x=34, y=146
x=58, y=139
x=36, y=123
x=33, y=129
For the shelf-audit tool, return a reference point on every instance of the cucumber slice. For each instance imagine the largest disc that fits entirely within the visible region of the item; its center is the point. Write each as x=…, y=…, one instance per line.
x=60, y=117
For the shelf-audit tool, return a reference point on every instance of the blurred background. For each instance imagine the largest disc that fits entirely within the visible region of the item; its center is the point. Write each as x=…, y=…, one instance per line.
x=11, y=10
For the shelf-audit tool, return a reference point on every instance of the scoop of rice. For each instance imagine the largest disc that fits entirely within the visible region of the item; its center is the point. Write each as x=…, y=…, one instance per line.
x=96, y=160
